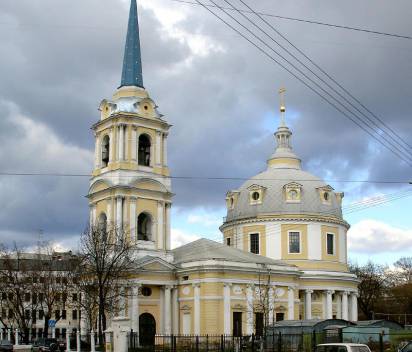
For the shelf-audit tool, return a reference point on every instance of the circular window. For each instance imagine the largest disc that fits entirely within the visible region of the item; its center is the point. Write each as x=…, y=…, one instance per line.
x=326, y=196
x=146, y=291
x=255, y=195
x=146, y=107
x=107, y=109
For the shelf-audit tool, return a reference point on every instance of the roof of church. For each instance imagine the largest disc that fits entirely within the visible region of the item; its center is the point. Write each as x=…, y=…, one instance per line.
x=132, y=63
x=205, y=249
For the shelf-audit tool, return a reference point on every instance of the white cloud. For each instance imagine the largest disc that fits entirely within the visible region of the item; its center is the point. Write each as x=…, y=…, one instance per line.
x=204, y=219
x=180, y=238
x=372, y=237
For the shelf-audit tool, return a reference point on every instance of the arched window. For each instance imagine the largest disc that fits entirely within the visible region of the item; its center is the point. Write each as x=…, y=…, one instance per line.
x=144, y=150
x=144, y=227
x=102, y=222
x=105, y=151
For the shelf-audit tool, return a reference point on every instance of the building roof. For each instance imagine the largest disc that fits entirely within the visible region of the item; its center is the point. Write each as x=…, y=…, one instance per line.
x=205, y=249
x=132, y=63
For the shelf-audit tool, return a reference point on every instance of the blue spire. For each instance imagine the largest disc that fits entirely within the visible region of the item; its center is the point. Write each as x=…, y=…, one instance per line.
x=132, y=62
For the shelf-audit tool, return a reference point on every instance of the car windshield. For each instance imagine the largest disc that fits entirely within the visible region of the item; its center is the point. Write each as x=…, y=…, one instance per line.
x=360, y=349
x=332, y=348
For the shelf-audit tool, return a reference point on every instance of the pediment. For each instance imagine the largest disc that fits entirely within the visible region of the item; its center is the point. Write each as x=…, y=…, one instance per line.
x=326, y=188
x=99, y=186
x=255, y=187
x=149, y=184
x=155, y=264
x=293, y=185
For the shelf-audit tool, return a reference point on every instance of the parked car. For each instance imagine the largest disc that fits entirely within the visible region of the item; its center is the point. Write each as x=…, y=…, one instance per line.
x=6, y=345
x=406, y=348
x=46, y=345
x=342, y=347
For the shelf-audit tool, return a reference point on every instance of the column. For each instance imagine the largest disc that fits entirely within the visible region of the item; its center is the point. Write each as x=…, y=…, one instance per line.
x=175, y=308
x=339, y=305
x=121, y=142
x=160, y=225
x=133, y=232
x=196, y=288
x=329, y=304
x=83, y=316
x=345, y=315
x=158, y=148
x=291, y=303
x=122, y=302
x=271, y=315
x=226, y=308
x=167, y=311
x=165, y=149
x=92, y=215
x=353, y=306
x=134, y=310
x=168, y=238
x=109, y=214
x=97, y=153
x=133, y=146
x=119, y=213
x=249, y=309
x=111, y=147
x=308, y=304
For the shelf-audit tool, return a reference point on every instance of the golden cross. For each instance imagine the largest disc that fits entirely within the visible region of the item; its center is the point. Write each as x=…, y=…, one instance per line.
x=282, y=92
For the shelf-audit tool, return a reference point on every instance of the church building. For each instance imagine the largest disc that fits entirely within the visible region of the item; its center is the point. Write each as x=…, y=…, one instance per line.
x=283, y=254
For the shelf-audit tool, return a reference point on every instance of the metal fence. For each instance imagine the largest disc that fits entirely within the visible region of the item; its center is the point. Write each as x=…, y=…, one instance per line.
x=277, y=342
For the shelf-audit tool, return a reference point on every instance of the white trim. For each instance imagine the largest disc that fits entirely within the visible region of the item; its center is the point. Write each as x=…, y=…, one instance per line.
x=300, y=242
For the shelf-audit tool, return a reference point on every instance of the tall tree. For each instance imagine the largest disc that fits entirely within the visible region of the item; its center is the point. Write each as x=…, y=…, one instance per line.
x=404, y=266
x=372, y=287
x=106, y=257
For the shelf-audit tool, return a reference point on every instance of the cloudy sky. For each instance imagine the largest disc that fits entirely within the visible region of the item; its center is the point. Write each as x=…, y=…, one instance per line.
x=59, y=59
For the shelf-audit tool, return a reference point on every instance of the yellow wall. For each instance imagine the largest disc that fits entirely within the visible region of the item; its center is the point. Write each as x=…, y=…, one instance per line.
x=303, y=229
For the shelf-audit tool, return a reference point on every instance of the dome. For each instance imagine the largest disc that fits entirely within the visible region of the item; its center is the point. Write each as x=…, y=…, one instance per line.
x=284, y=188
x=274, y=184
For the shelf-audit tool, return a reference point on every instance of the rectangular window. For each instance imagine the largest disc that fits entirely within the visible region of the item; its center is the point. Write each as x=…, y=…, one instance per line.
x=228, y=241
x=27, y=314
x=64, y=315
x=330, y=237
x=33, y=316
x=237, y=324
x=27, y=297
x=74, y=297
x=280, y=316
x=254, y=243
x=74, y=315
x=41, y=314
x=294, y=242
x=11, y=314
x=57, y=315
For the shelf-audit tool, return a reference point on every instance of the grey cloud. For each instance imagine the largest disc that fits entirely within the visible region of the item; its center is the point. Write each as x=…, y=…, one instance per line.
x=218, y=103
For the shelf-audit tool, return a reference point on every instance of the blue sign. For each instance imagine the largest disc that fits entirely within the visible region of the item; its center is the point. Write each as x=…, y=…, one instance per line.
x=52, y=323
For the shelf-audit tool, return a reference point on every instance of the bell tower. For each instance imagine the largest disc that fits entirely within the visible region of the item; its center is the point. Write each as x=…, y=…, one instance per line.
x=130, y=189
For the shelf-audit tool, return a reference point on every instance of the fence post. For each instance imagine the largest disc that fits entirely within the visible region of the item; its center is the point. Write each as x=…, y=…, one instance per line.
x=314, y=340
x=273, y=340
x=197, y=343
x=280, y=342
x=17, y=337
x=67, y=340
x=253, y=342
x=92, y=341
x=380, y=342
x=207, y=343
x=222, y=349
x=78, y=347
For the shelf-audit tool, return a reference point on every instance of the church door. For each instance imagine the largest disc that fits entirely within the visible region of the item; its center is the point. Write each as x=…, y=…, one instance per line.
x=147, y=329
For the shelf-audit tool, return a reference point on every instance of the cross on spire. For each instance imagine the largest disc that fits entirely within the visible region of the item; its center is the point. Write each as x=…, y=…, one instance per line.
x=282, y=92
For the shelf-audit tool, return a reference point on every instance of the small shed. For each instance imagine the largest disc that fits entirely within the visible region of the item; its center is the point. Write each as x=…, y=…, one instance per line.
x=307, y=326
x=392, y=325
